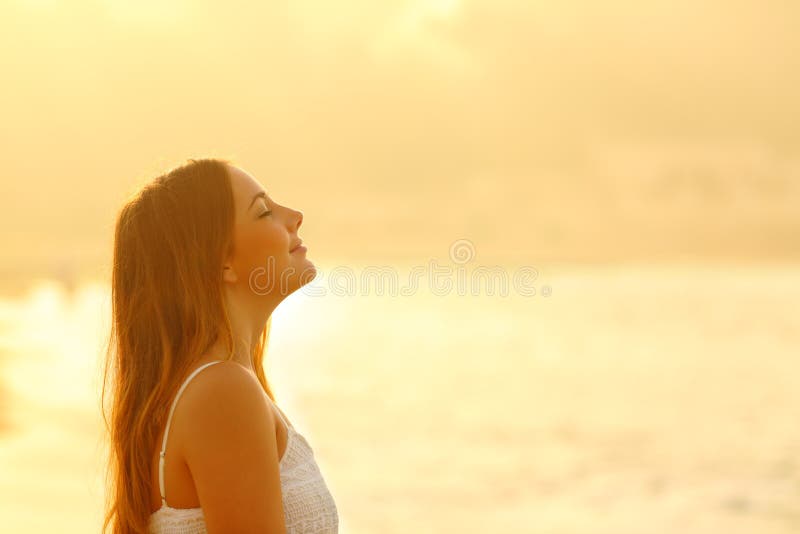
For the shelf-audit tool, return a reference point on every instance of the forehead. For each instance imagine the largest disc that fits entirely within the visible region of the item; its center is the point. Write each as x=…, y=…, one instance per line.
x=244, y=186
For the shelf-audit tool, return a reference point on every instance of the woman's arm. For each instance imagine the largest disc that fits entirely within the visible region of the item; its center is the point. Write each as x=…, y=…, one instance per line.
x=232, y=453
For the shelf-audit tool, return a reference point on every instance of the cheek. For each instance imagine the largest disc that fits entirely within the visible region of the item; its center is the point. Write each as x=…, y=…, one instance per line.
x=256, y=243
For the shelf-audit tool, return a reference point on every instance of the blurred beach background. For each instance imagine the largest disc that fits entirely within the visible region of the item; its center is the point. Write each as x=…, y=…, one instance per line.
x=638, y=162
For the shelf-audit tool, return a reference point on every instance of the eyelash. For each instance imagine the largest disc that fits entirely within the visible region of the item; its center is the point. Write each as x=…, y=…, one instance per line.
x=265, y=214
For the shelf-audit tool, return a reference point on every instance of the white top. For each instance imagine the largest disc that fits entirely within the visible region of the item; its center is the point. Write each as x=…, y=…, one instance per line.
x=308, y=506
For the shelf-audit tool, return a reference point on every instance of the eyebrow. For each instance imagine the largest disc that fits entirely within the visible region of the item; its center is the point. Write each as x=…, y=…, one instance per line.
x=261, y=194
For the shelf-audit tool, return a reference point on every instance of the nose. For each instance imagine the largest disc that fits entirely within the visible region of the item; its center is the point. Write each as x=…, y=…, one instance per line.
x=299, y=217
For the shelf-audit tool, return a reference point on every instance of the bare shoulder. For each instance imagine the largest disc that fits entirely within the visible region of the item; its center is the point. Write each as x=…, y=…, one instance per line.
x=226, y=378
x=224, y=388
x=230, y=448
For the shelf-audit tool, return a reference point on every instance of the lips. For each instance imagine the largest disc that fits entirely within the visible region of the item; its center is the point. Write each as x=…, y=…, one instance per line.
x=297, y=245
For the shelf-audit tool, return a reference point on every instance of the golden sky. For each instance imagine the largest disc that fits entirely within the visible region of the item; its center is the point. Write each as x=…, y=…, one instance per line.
x=537, y=129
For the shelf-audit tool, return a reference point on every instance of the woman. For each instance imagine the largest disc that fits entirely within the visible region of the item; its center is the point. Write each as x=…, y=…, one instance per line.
x=202, y=257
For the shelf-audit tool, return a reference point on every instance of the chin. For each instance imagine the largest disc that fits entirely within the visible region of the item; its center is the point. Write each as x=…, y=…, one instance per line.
x=307, y=274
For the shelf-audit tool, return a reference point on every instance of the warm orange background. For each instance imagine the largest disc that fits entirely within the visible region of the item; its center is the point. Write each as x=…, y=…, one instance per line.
x=644, y=157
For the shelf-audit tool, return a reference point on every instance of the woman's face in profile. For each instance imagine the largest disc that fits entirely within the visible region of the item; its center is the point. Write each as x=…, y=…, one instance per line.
x=265, y=233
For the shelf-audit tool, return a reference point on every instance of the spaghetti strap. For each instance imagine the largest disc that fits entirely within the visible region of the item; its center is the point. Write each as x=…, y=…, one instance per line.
x=166, y=431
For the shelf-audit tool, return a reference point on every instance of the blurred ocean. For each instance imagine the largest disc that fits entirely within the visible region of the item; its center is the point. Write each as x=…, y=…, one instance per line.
x=638, y=398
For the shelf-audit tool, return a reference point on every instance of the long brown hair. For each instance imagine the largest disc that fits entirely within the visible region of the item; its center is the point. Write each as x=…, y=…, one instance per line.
x=170, y=241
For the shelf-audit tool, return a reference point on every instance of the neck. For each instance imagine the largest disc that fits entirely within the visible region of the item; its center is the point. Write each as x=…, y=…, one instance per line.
x=247, y=327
